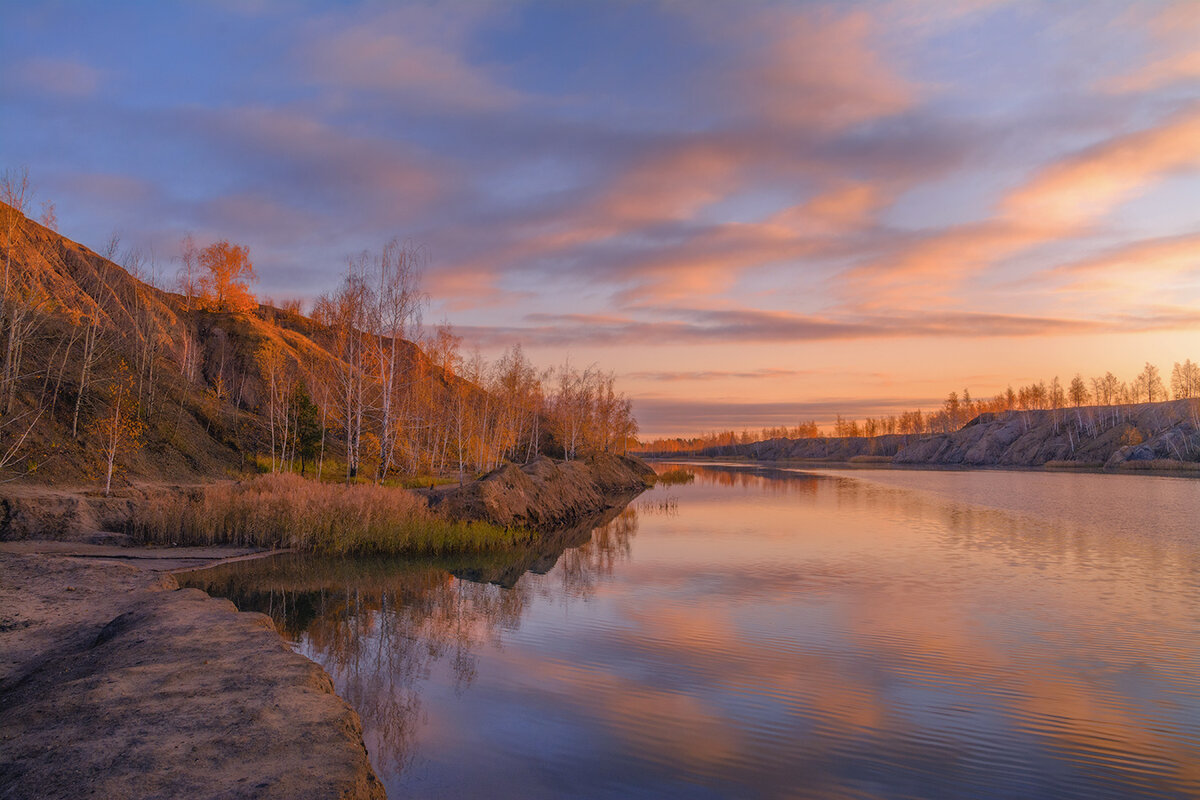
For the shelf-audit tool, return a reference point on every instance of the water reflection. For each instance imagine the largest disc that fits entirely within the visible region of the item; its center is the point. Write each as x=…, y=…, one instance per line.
x=380, y=627
x=769, y=633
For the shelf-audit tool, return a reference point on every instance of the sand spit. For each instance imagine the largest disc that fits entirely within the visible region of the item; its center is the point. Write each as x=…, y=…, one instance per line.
x=115, y=683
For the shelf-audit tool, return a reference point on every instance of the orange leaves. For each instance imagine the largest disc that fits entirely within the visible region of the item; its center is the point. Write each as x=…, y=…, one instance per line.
x=225, y=277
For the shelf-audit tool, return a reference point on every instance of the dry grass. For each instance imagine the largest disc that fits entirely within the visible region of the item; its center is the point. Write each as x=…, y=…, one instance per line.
x=1073, y=464
x=290, y=511
x=870, y=460
x=674, y=477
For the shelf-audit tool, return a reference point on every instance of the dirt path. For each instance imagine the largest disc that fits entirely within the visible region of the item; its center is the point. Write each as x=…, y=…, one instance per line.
x=114, y=683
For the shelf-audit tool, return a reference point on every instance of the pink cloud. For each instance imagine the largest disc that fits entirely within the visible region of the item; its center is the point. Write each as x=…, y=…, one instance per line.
x=813, y=68
x=824, y=70
x=1175, y=58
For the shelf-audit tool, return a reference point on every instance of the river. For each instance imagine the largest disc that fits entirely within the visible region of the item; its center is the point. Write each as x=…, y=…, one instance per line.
x=778, y=633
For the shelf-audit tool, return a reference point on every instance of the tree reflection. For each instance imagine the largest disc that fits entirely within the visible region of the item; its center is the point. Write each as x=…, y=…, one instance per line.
x=610, y=544
x=770, y=480
x=380, y=627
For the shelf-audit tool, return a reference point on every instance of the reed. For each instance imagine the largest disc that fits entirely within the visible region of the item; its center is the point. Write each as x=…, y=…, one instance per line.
x=279, y=511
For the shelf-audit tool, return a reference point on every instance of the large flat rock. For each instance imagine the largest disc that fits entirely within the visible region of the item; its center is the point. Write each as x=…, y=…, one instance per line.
x=114, y=683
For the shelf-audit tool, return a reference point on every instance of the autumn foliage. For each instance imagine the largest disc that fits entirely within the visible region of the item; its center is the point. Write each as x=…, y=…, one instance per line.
x=226, y=273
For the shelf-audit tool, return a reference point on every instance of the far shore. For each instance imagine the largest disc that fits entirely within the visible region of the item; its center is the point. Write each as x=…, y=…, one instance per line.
x=816, y=463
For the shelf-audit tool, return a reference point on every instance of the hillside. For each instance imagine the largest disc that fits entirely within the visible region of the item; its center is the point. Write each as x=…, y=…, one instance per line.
x=76, y=327
x=1148, y=435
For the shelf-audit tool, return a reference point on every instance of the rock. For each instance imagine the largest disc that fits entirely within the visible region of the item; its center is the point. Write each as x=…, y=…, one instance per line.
x=129, y=687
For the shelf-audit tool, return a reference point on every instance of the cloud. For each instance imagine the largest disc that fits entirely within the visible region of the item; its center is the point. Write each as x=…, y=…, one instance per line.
x=413, y=52
x=706, y=326
x=1084, y=187
x=813, y=68
x=1060, y=201
x=62, y=77
x=1142, y=266
x=309, y=162
x=1173, y=32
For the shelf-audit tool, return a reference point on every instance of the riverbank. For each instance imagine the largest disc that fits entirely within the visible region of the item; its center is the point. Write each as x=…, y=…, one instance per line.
x=116, y=683
x=1155, y=437
x=505, y=508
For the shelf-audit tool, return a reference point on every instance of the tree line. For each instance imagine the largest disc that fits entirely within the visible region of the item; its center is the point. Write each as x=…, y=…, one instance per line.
x=405, y=399
x=1148, y=386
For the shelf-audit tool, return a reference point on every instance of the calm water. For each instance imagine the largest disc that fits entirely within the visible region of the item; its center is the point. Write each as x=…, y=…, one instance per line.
x=765, y=633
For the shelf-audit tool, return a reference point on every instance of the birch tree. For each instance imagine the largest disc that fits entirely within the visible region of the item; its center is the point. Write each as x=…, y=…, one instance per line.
x=345, y=313
x=122, y=427
x=394, y=316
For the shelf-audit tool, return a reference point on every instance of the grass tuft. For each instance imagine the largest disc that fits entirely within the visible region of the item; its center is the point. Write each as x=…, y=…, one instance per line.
x=674, y=477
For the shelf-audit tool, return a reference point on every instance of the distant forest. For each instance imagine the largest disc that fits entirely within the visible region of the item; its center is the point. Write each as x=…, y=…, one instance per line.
x=959, y=409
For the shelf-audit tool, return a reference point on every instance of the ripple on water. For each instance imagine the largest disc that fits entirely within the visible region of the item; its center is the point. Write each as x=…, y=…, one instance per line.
x=868, y=635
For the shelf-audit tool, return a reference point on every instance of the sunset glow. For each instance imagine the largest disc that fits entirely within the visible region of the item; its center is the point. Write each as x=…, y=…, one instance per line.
x=753, y=213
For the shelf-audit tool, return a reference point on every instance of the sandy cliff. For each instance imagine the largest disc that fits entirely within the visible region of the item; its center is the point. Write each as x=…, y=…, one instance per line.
x=1162, y=435
x=1098, y=436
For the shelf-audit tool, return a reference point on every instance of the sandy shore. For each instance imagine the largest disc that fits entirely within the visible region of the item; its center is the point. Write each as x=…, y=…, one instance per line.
x=115, y=683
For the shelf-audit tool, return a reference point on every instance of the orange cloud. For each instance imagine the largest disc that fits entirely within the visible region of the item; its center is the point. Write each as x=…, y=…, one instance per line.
x=842, y=208
x=1153, y=266
x=675, y=184
x=714, y=258
x=1084, y=187
x=1060, y=201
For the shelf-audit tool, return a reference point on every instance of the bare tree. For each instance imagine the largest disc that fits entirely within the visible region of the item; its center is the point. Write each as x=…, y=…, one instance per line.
x=1149, y=384
x=1185, y=380
x=394, y=316
x=17, y=195
x=345, y=313
x=49, y=218
x=1078, y=391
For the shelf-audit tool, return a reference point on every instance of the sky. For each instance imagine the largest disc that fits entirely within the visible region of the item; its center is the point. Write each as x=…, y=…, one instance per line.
x=752, y=213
